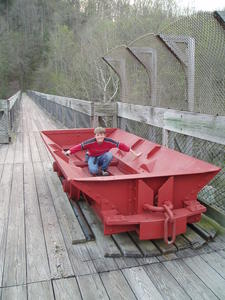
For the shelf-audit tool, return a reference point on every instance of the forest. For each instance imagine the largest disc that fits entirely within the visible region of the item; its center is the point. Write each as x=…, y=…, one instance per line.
x=56, y=46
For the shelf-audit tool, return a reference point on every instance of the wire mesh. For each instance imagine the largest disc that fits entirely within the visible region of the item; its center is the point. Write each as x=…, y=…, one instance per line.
x=169, y=86
x=4, y=125
x=214, y=193
x=146, y=131
x=133, y=76
x=63, y=114
x=185, y=70
x=209, y=36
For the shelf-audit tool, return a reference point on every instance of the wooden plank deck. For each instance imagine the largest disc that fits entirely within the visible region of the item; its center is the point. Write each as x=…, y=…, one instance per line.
x=38, y=259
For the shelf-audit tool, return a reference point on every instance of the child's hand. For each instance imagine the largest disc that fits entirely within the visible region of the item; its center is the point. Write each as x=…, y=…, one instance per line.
x=67, y=153
x=136, y=154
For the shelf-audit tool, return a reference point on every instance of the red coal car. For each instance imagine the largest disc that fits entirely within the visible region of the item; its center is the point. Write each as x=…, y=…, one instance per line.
x=154, y=194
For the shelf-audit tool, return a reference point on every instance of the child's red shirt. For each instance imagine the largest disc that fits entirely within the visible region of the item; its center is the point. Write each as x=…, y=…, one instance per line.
x=95, y=149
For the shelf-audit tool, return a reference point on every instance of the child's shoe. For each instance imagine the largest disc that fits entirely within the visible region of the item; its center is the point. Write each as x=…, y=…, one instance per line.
x=105, y=173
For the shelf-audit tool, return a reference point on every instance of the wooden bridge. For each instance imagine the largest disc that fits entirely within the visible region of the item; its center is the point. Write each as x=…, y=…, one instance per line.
x=44, y=253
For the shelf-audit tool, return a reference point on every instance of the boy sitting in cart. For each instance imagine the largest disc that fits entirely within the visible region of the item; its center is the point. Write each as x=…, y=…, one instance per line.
x=97, y=151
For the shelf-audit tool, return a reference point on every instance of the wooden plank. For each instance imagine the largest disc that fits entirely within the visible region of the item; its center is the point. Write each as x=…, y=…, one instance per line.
x=147, y=260
x=182, y=243
x=89, y=235
x=147, y=247
x=208, y=127
x=14, y=293
x=140, y=113
x=105, y=245
x=45, y=155
x=215, y=213
x=19, y=148
x=26, y=128
x=222, y=237
x=33, y=147
x=209, y=225
x=164, y=248
x=5, y=187
x=15, y=260
x=66, y=289
x=191, y=283
x=165, y=282
x=196, y=240
x=167, y=256
x=18, y=124
x=57, y=253
x=37, y=260
x=66, y=217
x=141, y=284
x=40, y=290
x=117, y=286
x=9, y=159
x=200, y=231
x=208, y=275
x=26, y=148
x=13, y=99
x=104, y=109
x=222, y=253
x=1, y=170
x=216, y=261
x=204, y=249
x=126, y=245
x=43, y=152
x=76, y=104
x=91, y=287
x=3, y=152
x=126, y=262
x=80, y=259
x=105, y=264
x=186, y=253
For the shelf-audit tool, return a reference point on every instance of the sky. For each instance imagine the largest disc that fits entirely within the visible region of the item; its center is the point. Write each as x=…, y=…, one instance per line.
x=205, y=5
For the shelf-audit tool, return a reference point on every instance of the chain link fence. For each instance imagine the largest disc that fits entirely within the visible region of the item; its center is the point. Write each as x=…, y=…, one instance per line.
x=146, y=131
x=9, y=116
x=209, y=73
x=63, y=110
x=214, y=193
x=181, y=67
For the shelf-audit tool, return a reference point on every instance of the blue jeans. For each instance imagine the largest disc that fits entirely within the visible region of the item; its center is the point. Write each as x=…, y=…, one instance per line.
x=103, y=161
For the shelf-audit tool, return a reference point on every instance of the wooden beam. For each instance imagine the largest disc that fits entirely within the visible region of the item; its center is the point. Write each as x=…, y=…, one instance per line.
x=12, y=100
x=206, y=127
x=82, y=106
x=104, y=109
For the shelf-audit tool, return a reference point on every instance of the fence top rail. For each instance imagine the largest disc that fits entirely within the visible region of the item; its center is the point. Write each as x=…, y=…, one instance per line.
x=12, y=100
x=3, y=104
x=203, y=126
x=83, y=106
x=8, y=103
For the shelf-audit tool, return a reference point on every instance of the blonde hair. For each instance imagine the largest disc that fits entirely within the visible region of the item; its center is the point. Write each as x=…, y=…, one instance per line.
x=99, y=130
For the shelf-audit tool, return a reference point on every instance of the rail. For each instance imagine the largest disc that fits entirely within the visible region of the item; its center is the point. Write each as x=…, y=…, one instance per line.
x=9, y=111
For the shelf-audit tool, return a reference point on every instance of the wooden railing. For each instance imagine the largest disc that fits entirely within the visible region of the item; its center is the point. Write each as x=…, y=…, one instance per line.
x=206, y=127
x=9, y=110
